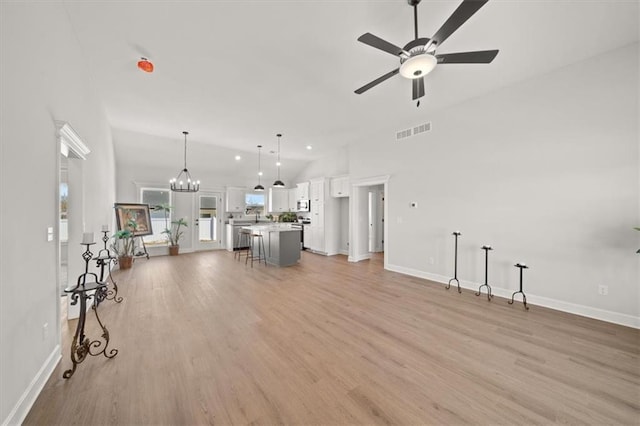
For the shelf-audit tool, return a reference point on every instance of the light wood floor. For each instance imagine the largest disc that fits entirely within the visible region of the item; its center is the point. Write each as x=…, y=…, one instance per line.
x=205, y=340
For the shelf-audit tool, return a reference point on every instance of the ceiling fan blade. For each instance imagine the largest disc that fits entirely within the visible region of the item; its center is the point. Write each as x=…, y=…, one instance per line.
x=378, y=43
x=480, y=57
x=418, y=88
x=459, y=17
x=377, y=81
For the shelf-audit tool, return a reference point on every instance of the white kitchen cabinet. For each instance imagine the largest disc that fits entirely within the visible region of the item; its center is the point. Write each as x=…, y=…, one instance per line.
x=317, y=193
x=235, y=200
x=307, y=237
x=293, y=199
x=302, y=191
x=340, y=186
x=316, y=190
x=278, y=200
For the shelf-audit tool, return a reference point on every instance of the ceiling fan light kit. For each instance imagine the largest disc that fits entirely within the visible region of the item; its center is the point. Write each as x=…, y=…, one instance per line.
x=418, y=57
x=418, y=65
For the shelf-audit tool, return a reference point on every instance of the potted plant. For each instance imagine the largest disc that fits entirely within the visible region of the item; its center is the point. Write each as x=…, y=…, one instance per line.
x=123, y=247
x=288, y=217
x=174, y=235
x=124, y=244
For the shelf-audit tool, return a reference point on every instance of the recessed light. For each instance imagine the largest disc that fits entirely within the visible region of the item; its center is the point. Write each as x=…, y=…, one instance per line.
x=309, y=147
x=238, y=158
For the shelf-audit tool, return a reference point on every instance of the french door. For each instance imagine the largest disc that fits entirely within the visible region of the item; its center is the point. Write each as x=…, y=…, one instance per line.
x=209, y=227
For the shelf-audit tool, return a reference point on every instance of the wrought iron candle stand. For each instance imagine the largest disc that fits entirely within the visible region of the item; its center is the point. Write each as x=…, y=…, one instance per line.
x=103, y=260
x=524, y=297
x=81, y=345
x=486, y=273
x=456, y=234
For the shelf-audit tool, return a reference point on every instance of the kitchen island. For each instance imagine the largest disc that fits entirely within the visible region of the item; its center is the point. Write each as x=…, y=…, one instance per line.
x=281, y=243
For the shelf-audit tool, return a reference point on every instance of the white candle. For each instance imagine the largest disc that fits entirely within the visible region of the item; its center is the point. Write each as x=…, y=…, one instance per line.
x=105, y=228
x=87, y=238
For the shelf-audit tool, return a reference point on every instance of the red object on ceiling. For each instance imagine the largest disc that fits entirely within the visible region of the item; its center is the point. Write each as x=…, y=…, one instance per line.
x=145, y=65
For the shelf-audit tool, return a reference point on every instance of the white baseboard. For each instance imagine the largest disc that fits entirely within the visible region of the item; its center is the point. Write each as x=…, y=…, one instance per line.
x=24, y=404
x=360, y=257
x=559, y=305
x=345, y=252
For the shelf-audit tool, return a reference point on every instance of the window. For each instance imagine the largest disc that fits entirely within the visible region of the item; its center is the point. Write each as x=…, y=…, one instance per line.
x=254, y=199
x=254, y=203
x=160, y=219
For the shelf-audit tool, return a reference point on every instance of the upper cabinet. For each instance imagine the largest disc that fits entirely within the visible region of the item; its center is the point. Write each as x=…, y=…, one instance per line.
x=293, y=199
x=302, y=191
x=278, y=200
x=316, y=191
x=340, y=186
x=236, y=200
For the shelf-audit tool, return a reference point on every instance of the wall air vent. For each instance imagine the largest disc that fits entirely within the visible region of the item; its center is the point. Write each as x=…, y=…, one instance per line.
x=426, y=127
x=402, y=134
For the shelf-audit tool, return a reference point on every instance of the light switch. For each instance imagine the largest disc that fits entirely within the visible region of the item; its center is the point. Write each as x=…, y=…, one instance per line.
x=50, y=233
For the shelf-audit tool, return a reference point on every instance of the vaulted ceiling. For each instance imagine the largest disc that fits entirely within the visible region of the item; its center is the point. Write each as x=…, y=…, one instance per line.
x=235, y=73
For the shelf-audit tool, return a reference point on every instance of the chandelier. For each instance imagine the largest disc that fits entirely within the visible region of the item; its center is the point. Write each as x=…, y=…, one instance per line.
x=183, y=182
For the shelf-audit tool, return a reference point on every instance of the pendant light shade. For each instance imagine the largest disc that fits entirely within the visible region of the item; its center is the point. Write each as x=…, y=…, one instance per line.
x=278, y=183
x=184, y=182
x=259, y=187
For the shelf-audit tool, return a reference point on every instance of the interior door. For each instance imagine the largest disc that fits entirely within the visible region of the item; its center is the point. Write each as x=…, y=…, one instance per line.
x=208, y=222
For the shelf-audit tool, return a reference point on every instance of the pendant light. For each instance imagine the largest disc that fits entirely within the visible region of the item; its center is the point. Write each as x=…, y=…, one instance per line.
x=278, y=183
x=178, y=183
x=259, y=187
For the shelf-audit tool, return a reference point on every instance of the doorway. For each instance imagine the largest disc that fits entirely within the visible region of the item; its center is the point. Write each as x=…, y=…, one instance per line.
x=376, y=218
x=368, y=229
x=208, y=221
x=70, y=213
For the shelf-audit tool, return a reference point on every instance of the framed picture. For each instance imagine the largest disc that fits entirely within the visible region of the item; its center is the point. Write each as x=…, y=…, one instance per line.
x=139, y=213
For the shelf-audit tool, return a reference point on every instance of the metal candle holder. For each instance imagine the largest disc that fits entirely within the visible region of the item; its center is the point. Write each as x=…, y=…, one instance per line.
x=81, y=345
x=524, y=297
x=103, y=260
x=486, y=273
x=456, y=234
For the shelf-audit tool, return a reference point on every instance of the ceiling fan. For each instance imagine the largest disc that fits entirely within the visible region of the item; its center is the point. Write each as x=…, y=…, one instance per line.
x=418, y=57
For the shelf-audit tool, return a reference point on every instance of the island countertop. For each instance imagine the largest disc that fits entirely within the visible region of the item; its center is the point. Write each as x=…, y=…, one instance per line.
x=275, y=227
x=281, y=243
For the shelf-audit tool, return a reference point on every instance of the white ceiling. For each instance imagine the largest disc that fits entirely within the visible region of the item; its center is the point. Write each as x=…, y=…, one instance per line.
x=235, y=73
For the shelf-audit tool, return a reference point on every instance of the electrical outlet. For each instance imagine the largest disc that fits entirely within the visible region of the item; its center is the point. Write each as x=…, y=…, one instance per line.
x=45, y=331
x=603, y=290
x=432, y=261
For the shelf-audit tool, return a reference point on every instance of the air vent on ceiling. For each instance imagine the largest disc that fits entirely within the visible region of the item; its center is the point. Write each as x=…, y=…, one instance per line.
x=402, y=134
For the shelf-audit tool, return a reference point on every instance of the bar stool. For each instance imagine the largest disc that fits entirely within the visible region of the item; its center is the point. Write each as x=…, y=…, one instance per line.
x=243, y=242
x=262, y=255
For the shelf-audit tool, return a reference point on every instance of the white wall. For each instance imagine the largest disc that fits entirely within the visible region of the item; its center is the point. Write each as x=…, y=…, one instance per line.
x=335, y=164
x=44, y=78
x=545, y=170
